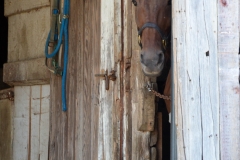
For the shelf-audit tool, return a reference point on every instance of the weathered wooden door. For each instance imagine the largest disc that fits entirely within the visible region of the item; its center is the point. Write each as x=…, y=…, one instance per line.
x=100, y=123
x=90, y=127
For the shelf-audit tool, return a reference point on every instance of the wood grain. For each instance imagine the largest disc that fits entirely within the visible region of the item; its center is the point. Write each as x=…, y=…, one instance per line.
x=205, y=79
x=6, y=108
x=228, y=48
x=74, y=134
x=31, y=122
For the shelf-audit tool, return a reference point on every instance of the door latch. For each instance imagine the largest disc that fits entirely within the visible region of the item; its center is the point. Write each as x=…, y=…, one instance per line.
x=107, y=77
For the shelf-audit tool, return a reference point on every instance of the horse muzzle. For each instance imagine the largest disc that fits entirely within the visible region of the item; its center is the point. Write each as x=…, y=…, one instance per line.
x=152, y=64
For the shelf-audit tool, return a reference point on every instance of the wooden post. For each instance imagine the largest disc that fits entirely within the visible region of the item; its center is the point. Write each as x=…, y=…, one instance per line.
x=205, y=41
x=228, y=47
x=6, y=125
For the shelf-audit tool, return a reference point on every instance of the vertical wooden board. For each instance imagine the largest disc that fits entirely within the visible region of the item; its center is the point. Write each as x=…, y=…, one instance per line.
x=56, y=136
x=72, y=83
x=110, y=51
x=79, y=22
x=77, y=8
x=44, y=121
x=74, y=134
x=228, y=48
x=87, y=77
x=140, y=140
x=178, y=18
x=6, y=129
x=117, y=86
x=127, y=54
x=95, y=81
x=34, y=129
x=21, y=122
x=196, y=79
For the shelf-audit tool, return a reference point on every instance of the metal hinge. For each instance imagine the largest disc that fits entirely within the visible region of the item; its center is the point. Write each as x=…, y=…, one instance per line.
x=107, y=77
x=8, y=95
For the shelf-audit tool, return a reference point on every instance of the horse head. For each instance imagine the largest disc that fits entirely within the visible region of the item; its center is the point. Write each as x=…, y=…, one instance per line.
x=153, y=18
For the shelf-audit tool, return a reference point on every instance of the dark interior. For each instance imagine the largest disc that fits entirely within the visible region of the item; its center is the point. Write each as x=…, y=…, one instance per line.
x=3, y=44
x=161, y=80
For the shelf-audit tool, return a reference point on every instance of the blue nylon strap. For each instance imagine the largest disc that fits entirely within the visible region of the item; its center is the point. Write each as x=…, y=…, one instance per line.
x=55, y=11
x=63, y=32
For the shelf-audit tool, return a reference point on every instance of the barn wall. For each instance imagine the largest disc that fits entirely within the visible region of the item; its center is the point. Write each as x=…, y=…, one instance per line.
x=205, y=51
x=25, y=70
x=101, y=124
x=27, y=31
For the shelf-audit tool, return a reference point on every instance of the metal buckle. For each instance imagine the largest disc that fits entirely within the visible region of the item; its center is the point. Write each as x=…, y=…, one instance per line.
x=164, y=43
x=139, y=39
x=149, y=86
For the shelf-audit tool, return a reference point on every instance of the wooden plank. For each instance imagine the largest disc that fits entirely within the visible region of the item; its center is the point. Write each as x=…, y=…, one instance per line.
x=228, y=48
x=74, y=134
x=196, y=79
x=6, y=108
x=56, y=143
x=44, y=121
x=21, y=123
x=109, y=123
x=140, y=140
x=126, y=63
x=95, y=82
x=31, y=122
x=77, y=35
x=146, y=116
x=34, y=110
x=87, y=77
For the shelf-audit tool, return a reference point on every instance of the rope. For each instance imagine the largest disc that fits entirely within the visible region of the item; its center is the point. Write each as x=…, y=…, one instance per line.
x=63, y=32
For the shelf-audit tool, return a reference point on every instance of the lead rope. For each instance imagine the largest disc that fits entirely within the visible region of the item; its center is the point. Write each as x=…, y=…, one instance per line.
x=63, y=32
x=157, y=94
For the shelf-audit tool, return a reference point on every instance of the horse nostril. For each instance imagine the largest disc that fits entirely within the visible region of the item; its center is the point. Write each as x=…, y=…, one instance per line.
x=141, y=57
x=160, y=58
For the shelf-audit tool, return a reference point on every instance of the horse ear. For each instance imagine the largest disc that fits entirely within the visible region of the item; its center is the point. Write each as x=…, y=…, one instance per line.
x=169, y=2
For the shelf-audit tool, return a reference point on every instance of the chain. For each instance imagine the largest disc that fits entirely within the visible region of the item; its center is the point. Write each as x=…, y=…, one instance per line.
x=150, y=89
x=161, y=95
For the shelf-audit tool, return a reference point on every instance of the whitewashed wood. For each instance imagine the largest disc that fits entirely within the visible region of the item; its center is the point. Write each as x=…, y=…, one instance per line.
x=196, y=79
x=44, y=121
x=34, y=110
x=21, y=123
x=31, y=122
x=109, y=123
x=228, y=47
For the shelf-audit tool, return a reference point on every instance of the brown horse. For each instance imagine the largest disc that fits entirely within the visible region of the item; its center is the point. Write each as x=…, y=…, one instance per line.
x=153, y=18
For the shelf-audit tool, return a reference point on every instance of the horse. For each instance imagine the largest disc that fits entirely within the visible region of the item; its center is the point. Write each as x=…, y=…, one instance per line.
x=153, y=19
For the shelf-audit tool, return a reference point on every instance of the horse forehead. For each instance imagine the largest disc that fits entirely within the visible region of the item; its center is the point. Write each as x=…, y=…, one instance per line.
x=149, y=9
